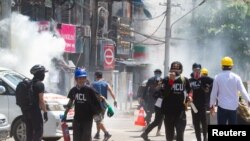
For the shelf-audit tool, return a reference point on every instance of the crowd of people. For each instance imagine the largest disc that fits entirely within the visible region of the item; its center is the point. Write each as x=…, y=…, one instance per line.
x=202, y=92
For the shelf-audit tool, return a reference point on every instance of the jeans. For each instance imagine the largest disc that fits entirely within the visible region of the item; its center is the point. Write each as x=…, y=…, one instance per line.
x=225, y=116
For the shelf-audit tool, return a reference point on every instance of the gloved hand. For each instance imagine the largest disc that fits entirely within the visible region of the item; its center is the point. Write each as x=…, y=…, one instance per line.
x=115, y=103
x=45, y=116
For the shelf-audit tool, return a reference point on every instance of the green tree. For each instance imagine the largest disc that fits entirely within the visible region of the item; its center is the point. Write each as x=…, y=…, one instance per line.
x=228, y=22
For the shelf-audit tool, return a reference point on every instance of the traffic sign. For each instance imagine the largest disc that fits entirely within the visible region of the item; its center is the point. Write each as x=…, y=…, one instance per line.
x=109, y=56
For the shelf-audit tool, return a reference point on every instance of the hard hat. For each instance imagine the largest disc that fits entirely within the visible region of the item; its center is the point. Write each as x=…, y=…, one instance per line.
x=204, y=71
x=38, y=69
x=80, y=72
x=227, y=61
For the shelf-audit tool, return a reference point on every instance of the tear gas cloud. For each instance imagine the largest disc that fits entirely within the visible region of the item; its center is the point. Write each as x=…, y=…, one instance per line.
x=186, y=50
x=26, y=47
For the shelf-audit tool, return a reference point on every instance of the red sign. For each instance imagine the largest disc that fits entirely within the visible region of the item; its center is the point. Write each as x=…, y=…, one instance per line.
x=109, y=59
x=68, y=33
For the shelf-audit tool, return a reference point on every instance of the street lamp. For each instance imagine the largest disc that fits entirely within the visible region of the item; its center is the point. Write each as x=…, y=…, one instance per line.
x=168, y=33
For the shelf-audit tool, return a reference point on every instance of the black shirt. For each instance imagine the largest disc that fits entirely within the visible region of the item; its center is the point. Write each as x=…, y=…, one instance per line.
x=174, y=96
x=150, y=94
x=85, y=101
x=38, y=87
x=200, y=96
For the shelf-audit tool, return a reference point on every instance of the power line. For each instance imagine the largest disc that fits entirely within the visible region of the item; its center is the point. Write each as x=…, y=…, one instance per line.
x=164, y=13
x=151, y=35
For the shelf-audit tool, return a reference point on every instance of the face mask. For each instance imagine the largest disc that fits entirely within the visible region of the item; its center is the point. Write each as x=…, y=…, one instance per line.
x=40, y=76
x=158, y=76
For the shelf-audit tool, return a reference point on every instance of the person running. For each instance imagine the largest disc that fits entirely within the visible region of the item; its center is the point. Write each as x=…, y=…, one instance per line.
x=148, y=98
x=225, y=90
x=159, y=117
x=102, y=87
x=86, y=102
x=174, y=102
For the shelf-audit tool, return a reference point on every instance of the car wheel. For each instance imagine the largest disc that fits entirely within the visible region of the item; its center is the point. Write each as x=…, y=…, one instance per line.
x=52, y=139
x=19, y=130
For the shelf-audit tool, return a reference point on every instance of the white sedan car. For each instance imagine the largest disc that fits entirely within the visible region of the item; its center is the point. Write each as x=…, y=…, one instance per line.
x=55, y=104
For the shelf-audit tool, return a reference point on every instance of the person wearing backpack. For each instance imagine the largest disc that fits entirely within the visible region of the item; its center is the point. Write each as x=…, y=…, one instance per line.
x=148, y=97
x=86, y=103
x=32, y=115
x=174, y=102
x=155, y=95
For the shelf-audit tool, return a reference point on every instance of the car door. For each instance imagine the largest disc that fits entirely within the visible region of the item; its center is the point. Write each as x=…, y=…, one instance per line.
x=4, y=101
x=8, y=103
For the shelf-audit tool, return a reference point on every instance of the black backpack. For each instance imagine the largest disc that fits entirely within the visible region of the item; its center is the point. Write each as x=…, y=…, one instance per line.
x=24, y=94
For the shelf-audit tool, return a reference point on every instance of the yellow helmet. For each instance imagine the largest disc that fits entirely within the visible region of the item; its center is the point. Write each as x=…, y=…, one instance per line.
x=227, y=61
x=204, y=71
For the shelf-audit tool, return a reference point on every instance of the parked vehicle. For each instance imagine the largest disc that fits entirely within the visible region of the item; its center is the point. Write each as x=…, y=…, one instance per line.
x=55, y=104
x=4, y=127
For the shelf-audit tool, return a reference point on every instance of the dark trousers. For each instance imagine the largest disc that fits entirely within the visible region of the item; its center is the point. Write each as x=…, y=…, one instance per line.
x=149, y=110
x=225, y=116
x=159, y=117
x=172, y=121
x=82, y=130
x=148, y=116
x=34, y=124
x=200, y=118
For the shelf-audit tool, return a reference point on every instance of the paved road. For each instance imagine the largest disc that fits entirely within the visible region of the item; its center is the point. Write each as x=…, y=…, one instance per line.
x=122, y=128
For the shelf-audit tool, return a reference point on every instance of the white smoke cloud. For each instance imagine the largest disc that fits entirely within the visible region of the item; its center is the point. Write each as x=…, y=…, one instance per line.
x=187, y=51
x=26, y=47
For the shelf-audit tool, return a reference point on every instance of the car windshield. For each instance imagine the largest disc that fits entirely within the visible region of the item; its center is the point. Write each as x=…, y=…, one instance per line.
x=13, y=77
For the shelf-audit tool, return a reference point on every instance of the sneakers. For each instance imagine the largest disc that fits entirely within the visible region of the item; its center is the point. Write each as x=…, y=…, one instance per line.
x=106, y=137
x=145, y=137
x=97, y=136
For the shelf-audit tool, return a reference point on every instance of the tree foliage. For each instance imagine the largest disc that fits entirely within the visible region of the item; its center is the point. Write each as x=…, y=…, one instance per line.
x=227, y=21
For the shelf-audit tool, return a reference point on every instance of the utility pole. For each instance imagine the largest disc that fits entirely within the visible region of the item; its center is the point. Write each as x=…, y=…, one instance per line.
x=87, y=40
x=167, y=37
x=168, y=31
x=93, y=47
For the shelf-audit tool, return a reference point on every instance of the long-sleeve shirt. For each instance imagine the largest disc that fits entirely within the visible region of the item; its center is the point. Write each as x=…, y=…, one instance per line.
x=225, y=89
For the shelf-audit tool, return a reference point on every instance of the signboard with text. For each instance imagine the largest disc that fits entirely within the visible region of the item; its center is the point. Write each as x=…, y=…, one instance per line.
x=68, y=33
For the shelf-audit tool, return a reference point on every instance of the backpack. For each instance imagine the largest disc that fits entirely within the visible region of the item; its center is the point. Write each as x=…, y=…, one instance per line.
x=24, y=94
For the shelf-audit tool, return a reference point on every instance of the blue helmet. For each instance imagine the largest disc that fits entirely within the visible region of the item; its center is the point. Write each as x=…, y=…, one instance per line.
x=80, y=72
